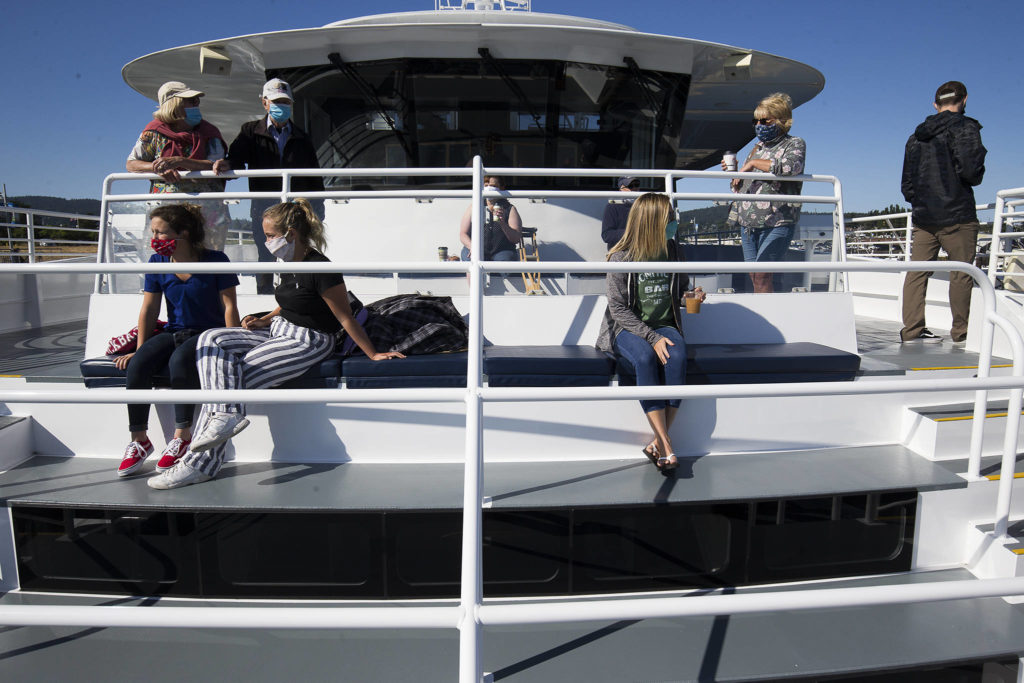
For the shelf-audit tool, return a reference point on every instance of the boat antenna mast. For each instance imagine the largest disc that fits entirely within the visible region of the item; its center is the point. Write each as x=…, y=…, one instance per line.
x=484, y=5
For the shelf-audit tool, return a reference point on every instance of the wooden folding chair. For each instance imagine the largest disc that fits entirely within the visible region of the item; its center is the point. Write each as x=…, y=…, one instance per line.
x=528, y=252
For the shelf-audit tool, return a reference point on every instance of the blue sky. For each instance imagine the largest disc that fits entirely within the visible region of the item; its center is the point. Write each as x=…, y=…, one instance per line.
x=70, y=119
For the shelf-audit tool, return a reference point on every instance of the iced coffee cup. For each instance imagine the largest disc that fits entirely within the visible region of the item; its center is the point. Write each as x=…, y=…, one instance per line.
x=693, y=300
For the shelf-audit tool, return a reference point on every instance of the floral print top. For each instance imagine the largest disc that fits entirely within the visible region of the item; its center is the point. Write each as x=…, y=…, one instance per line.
x=787, y=157
x=151, y=144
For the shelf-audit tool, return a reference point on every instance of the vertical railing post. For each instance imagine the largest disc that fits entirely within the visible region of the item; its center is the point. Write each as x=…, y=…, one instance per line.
x=909, y=237
x=984, y=371
x=471, y=592
x=103, y=238
x=838, y=235
x=995, y=251
x=1009, y=460
x=30, y=234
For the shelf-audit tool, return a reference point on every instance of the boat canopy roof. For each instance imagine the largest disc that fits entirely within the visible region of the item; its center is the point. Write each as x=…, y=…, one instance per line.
x=688, y=100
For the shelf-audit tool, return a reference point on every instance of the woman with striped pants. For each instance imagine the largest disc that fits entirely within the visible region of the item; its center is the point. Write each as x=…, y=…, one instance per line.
x=266, y=351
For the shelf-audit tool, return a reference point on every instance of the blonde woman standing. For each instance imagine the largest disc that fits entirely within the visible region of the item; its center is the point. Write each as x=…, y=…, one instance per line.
x=641, y=324
x=767, y=227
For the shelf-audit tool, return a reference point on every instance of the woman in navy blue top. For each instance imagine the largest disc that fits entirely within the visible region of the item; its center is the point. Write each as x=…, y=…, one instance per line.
x=195, y=303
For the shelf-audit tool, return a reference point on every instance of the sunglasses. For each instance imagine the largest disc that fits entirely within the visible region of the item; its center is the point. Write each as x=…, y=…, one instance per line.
x=763, y=122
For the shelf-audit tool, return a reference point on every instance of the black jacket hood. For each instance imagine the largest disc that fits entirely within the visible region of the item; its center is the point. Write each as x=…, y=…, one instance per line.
x=939, y=123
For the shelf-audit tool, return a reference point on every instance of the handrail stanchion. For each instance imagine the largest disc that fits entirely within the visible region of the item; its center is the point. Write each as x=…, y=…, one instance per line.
x=984, y=371
x=838, y=227
x=30, y=233
x=471, y=589
x=995, y=250
x=104, y=236
x=1009, y=461
x=909, y=238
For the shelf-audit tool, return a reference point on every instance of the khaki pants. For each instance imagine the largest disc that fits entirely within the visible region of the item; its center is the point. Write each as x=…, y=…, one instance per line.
x=960, y=242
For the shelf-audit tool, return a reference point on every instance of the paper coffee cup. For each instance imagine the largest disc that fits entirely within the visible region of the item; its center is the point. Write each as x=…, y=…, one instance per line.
x=730, y=161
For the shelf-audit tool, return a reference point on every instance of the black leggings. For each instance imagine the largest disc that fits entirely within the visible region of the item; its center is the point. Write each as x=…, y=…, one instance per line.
x=156, y=355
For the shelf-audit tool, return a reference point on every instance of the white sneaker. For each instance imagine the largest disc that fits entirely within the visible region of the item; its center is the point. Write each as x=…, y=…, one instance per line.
x=219, y=428
x=176, y=477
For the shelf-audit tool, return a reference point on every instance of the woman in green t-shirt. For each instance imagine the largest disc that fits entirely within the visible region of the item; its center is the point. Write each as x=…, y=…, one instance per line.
x=641, y=324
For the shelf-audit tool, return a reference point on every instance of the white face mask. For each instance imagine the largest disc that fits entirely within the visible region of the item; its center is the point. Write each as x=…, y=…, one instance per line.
x=281, y=248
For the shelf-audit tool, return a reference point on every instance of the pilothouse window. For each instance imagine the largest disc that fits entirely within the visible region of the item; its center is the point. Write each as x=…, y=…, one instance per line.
x=527, y=113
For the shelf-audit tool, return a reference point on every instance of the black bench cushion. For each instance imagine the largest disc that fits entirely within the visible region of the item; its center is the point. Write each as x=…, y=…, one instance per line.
x=101, y=372
x=546, y=366
x=430, y=370
x=763, y=363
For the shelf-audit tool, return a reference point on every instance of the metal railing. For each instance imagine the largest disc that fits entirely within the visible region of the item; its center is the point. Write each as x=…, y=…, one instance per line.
x=891, y=242
x=472, y=613
x=35, y=243
x=1009, y=208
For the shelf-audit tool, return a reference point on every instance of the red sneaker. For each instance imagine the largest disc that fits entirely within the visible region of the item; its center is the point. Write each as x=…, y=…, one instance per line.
x=134, y=456
x=175, y=449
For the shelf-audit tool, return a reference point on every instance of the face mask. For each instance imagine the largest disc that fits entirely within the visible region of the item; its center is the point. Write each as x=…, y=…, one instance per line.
x=163, y=247
x=670, y=230
x=767, y=133
x=281, y=248
x=193, y=116
x=280, y=112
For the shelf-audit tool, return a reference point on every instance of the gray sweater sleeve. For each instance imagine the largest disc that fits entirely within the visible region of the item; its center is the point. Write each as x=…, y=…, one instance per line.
x=619, y=305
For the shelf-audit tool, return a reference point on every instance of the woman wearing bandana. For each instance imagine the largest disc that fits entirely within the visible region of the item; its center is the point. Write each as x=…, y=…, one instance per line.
x=767, y=227
x=195, y=302
x=312, y=308
x=179, y=140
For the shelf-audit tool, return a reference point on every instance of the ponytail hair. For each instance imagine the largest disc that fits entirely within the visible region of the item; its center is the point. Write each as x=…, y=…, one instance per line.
x=184, y=217
x=298, y=215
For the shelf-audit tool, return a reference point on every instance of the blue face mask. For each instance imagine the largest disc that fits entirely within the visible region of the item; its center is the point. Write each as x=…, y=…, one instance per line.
x=280, y=112
x=193, y=116
x=670, y=230
x=767, y=133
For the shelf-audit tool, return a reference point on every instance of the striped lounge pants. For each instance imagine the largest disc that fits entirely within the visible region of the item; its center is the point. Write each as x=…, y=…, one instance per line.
x=234, y=358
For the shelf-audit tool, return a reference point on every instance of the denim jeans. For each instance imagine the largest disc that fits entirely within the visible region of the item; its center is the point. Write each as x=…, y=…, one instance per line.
x=636, y=354
x=506, y=255
x=766, y=244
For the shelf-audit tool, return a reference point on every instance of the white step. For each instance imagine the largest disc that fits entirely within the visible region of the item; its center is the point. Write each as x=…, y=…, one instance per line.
x=943, y=432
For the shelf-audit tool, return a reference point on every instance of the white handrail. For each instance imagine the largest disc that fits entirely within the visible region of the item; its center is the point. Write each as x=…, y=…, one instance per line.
x=1004, y=198
x=472, y=611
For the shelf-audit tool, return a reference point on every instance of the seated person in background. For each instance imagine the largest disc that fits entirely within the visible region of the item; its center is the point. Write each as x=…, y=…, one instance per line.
x=195, y=303
x=613, y=224
x=274, y=141
x=274, y=348
x=502, y=227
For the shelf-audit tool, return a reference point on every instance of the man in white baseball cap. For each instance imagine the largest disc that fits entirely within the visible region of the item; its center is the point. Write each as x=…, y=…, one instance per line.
x=273, y=141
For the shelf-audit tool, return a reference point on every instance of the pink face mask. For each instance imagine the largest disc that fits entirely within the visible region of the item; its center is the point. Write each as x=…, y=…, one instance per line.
x=163, y=247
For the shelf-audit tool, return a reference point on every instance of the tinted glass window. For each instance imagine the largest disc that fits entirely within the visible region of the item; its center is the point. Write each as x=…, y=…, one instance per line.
x=529, y=113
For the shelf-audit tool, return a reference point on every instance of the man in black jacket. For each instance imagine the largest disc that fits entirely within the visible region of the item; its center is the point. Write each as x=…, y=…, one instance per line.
x=944, y=160
x=273, y=142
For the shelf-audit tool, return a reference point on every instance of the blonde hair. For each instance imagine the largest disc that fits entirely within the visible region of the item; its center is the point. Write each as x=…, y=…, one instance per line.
x=172, y=109
x=644, y=239
x=778, y=106
x=298, y=215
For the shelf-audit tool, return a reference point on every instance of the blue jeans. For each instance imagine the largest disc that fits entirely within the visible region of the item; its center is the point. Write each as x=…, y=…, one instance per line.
x=506, y=255
x=767, y=244
x=636, y=354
